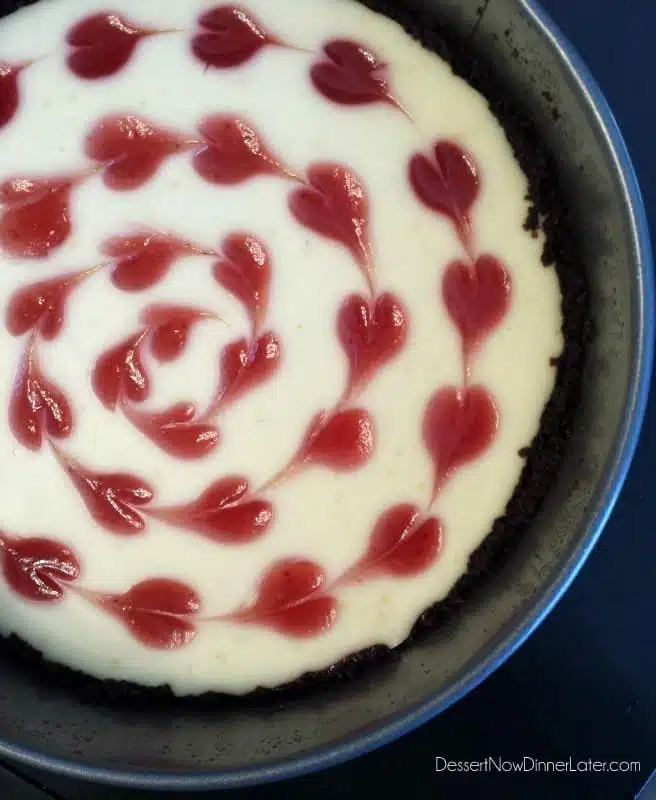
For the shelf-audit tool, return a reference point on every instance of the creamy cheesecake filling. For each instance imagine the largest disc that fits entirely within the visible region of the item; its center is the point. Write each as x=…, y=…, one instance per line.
x=274, y=335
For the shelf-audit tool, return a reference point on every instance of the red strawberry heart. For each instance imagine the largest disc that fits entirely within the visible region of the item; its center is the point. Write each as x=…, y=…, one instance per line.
x=175, y=430
x=36, y=568
x=245, y=366
x=335, y=206
x=9, y=93
x=226, y=512
x=110, y=497
x=459, y=426
x=36, y=403
x=245, y=271
x=477, y=298
x=157, y=612
x=120, y=372
x=102, y=45
x=36, y=218
x=143, y=259
x=344, y=441
x=170, y=327
x=234, y=152
x=41, y=306
x=290, y=600
x=371, y=335
x=448, y=183
x=231, y=37
x=131, y=150
x=352, y=75
x=403, y=543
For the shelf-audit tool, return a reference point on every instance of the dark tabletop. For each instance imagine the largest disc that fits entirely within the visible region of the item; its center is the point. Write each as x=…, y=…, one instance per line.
x=584, y=686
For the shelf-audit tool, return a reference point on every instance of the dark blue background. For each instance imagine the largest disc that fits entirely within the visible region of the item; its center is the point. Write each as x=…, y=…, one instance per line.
x=585, y=684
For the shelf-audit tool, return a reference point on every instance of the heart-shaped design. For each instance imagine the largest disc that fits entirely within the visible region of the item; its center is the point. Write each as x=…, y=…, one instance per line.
x=245, y=366
x=459, y=426
x=226, y=512
x=341, y=441
x=102, y=44
x=372, y=334
x=477, y=297
x=144, y=258
x=175, y=430
x=37, y=405
x=36, y=218
x=36, y=568
x=448, y=183
x=351, y=75
x=131, y=150
x=157, y=612
x=41, y=306
x=290, y=600
x=404, y=543
x=170, y=327
x=233, y=152
x=245, y=271
x=230, y=37
x=110, y=498
x=335, y=205
x=119, y=372
x=9, y=92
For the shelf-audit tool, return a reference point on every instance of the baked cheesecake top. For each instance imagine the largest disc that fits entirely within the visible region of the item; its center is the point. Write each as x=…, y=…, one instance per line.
x=274, y=335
